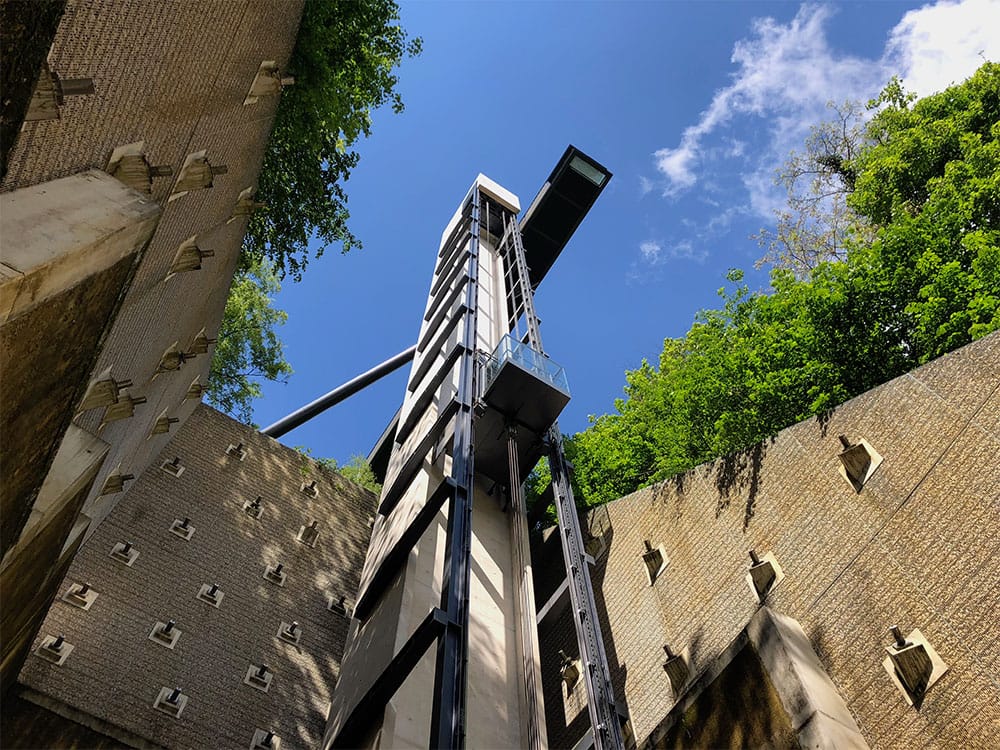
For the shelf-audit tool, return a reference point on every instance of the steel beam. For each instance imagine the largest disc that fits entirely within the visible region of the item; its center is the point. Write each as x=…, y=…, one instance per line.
x=338, y=394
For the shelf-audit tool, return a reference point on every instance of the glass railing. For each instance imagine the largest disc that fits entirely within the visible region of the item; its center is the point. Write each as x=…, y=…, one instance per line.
x=512, y=350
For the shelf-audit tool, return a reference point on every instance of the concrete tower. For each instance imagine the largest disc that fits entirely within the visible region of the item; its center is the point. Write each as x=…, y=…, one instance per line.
x=443, y=648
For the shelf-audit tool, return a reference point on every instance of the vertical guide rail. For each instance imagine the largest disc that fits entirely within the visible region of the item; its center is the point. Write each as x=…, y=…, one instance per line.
x=448, y=719
x=527, y=629
x=597, y=677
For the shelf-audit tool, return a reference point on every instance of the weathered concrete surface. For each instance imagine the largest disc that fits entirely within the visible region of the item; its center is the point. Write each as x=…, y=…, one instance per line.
x=45, y=358
x=811, y=702
x=33, y=568
x=73, y=470
x=738, y=709
x=27, y=726
x=173, y=76
x=114, y=672
x=69, y=247
x=27, y=30
x=58, y=233
x=69, y=250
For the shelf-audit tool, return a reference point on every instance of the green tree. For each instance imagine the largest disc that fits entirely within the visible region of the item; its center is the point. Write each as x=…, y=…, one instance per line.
x=343, y=63
x=816, y=224
x=922, y=279
x=537, y=487
x=248, y=348
x=742, y=372
x=931, y=183
x=359, y=471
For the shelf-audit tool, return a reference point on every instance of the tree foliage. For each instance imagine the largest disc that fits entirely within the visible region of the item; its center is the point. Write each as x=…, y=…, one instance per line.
x=816, y=224
x=537, y=487
x=343, y=63
x=921, y=279
x=248, y=349
x=931, y=183
x=359, y=471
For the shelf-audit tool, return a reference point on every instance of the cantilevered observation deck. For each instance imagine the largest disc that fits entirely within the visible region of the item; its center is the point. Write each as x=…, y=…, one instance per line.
x=558, y=209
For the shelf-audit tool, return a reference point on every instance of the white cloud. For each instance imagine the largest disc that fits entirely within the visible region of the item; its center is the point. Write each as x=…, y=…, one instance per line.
x=938, y=45
x=654, y=257
x=763, y=196
x=735, y=148
x=645, y=185
x=787, y=73
x=677, y=164
x=720, y=223
x=651, y=251
x=688, y=250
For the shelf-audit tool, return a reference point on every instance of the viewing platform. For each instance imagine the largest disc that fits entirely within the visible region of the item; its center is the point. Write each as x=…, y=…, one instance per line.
x=523, y=387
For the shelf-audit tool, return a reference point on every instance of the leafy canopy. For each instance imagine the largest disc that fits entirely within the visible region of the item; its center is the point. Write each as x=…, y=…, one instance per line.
x=916, y=276
x=343, y=63
x=357, y=470
x=248, y=348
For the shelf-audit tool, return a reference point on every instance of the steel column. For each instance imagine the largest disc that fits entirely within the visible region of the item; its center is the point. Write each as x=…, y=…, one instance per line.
x=528, y=631
x=448, y=720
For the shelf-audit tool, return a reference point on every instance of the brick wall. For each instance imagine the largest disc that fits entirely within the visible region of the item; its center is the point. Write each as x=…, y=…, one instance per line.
x=173, y=75
x=919, y=546
x=114, y=672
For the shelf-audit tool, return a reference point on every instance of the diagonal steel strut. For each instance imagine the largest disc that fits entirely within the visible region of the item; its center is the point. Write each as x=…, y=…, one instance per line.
x=338, y=394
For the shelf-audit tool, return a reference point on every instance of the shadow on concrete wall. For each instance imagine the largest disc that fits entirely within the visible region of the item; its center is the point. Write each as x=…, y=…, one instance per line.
x=823, y=420
x=661, y=492
x=737, y=709
x=29, y=26
x=618, y=669
x=738, y=472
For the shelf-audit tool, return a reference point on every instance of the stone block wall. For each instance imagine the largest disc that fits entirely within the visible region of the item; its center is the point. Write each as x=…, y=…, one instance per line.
x=918, y=547
x=173, y=76
x=112, y=677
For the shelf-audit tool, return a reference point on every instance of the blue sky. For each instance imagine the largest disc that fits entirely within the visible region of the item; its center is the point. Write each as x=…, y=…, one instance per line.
x=692, y=106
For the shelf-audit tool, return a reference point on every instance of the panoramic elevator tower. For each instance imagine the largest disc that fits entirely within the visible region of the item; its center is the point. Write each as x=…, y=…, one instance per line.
x=443, y=649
